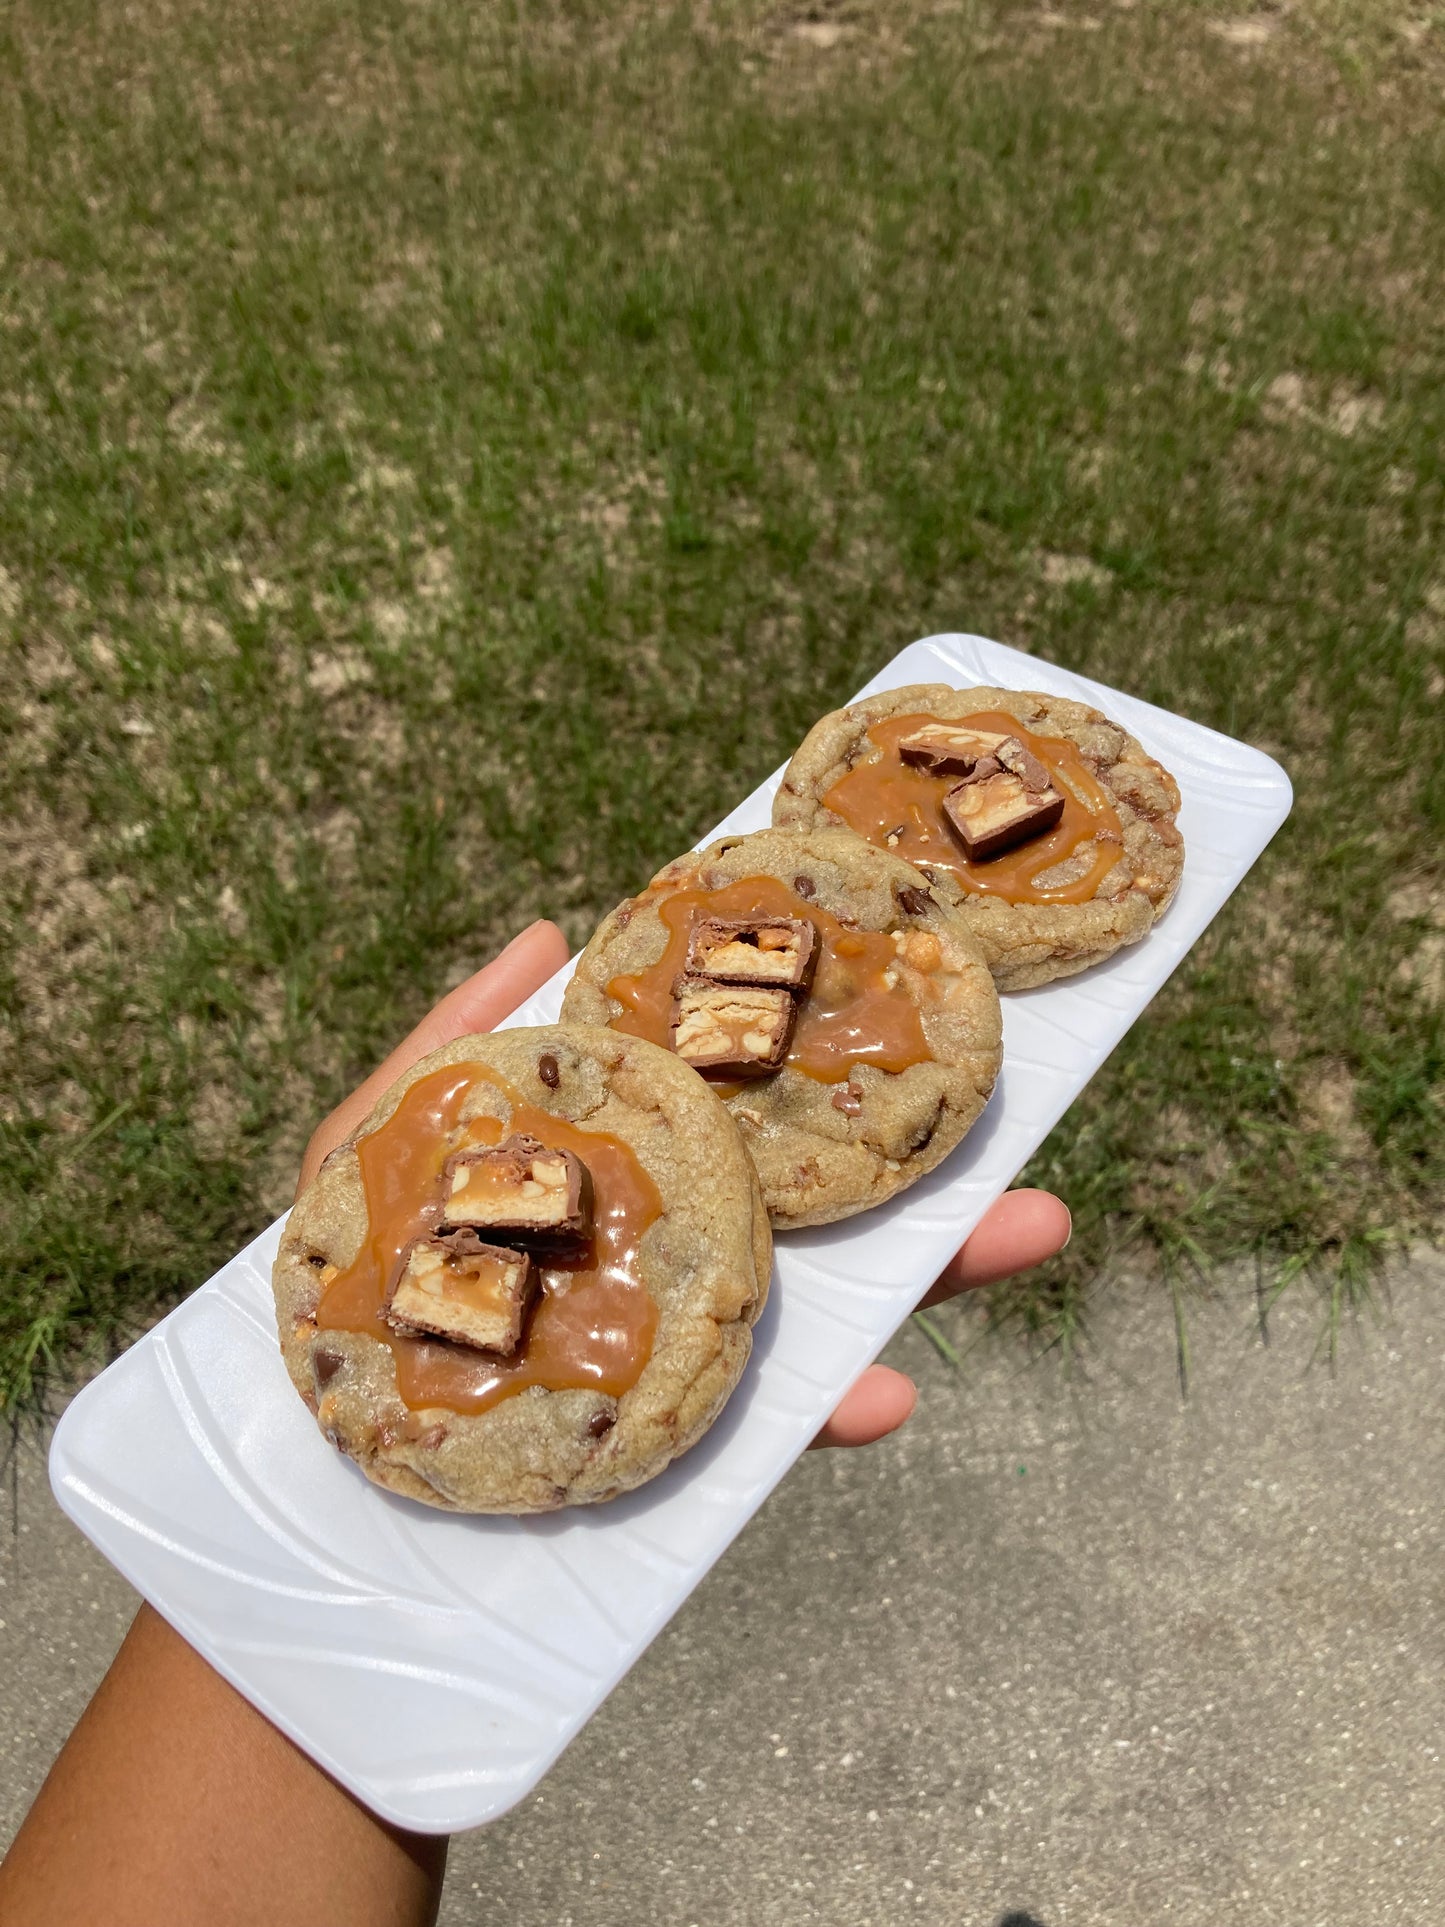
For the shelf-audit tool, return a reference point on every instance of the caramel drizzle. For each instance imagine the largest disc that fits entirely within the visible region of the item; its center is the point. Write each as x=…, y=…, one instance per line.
x=852, y=1015
x=885, y=794
x=592, y=1326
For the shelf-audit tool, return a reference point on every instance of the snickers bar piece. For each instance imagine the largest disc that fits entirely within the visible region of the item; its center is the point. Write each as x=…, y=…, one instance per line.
x=991, y=814
x=945, y=749
x=754, y=950
x=736, y=1030
x=522, y=1190
x=456, y=1287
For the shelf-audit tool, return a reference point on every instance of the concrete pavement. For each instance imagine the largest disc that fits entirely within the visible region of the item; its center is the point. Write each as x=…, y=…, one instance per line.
x=1068, y=1650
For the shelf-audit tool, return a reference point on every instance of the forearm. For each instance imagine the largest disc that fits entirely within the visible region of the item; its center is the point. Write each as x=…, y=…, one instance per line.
x=174, y=1800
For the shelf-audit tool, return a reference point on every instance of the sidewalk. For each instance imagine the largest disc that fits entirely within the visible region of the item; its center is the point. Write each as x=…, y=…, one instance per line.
x=1066, y=1649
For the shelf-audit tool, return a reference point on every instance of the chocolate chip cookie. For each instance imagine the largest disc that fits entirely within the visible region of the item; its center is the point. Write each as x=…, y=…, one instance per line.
x=1051, y=822
x=835, y=999
x=529, y=1280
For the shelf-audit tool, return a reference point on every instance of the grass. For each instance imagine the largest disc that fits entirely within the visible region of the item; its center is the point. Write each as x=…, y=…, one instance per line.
x=450, y=454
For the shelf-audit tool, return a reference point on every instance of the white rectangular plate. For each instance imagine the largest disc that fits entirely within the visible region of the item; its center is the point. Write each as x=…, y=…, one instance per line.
x=437, y=1665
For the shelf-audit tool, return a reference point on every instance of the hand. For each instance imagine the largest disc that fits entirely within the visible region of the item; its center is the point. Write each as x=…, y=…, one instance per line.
x=1022, y=1229
x=174, y=1800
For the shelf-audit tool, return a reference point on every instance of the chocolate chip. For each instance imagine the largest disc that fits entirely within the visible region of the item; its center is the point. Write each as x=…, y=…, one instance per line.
x=326, y=1365
x=805, y=886
x=601, y=1423
x=317, y=1258
x=916, y=902
x=547, y=1070
x=847, y=1100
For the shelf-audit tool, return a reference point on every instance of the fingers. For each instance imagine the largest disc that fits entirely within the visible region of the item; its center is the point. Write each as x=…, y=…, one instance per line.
x=875, y=1406
x=478, y=1004
x=483, y=1000
x=1022, y=1229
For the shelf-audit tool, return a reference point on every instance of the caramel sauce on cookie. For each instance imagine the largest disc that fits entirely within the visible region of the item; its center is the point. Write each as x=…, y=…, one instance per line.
x=885, y=794
x=594, y=1322
x=852, y=1015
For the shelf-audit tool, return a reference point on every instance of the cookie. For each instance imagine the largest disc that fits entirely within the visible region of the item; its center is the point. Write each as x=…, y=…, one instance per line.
x=578, y=1199
x=1052, y=822
x=889, y=1021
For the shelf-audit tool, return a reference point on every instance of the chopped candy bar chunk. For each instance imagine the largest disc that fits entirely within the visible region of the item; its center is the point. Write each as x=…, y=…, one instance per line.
x=736, y=1030
x=521, y=1189
x=1024, y=764
x=456, y=1287
x=754, y=950
x=991, y=816
x=945, y=749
